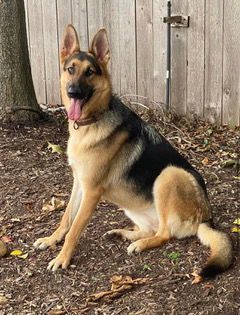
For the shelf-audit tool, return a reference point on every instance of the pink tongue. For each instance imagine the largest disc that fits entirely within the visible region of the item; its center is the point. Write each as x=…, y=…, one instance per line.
x=75, y=111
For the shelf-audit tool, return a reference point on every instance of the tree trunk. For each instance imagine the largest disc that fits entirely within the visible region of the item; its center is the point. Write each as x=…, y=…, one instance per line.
x=18, y=101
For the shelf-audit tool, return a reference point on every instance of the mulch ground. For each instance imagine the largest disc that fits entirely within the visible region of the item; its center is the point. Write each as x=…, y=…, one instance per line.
x=31, y=174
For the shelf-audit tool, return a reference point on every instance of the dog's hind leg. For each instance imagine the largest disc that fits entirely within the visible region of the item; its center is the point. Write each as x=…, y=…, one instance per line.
x=129, y=234
x=181, y=205
x=161, y=237
x=67, y=218
x=146, y=224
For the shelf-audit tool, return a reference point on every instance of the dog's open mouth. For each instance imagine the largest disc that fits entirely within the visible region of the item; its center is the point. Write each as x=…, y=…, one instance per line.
x=75, y=110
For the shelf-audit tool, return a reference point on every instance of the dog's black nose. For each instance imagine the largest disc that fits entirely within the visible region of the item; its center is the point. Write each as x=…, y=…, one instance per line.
x=74, y=91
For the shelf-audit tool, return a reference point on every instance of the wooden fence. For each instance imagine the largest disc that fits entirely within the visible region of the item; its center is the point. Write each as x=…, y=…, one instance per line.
x=205, y=56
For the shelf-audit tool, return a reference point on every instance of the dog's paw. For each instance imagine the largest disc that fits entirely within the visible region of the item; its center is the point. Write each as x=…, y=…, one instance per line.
x=115, y=233
x=60, y=260
x=43, y=242
x=135, y=248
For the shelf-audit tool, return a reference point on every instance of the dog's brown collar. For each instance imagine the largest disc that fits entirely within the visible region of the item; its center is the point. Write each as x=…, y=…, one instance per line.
x=87, y=121
x=84, y=122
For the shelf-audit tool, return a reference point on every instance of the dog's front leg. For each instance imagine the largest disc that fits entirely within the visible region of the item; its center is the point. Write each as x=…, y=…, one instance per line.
x=67, y=218
x=90, y=199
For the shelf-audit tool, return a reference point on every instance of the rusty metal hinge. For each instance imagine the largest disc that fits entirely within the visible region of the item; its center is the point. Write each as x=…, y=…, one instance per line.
x=177, y=20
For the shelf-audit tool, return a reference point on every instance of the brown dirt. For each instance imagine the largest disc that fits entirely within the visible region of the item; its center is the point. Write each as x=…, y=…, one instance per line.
x=31, y=174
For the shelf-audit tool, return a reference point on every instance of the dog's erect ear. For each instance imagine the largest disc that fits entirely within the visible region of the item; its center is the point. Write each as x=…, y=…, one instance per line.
x=70, y=43
x=100, y=46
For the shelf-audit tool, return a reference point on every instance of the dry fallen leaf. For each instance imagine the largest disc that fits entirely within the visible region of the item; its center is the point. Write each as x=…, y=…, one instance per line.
x=235, y=229
x=205, y=161
x=120, y=281
x=61, y=194
x=16, y=252
x=208, y=286
x=197, y=278
x=7, y=239
x=55, y=148
x=3, y=249
x=236, y=177
x=3, y=300
x=24, y=256
x=53, y=204
x=237, y=221
x=56, y=312
x=119, y=285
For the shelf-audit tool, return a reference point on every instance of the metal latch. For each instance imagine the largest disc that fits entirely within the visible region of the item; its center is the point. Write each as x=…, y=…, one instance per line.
x=177, y=20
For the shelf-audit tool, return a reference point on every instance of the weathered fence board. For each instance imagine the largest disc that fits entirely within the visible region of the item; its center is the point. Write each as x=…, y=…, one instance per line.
x=37, y=49
x=111, y=23
x=205, y=56
x=80, y=22
x=127, y=47
x=159, y=50
x=195, y=57
x=51, y=45
x=64, y=17
x=144, y=38
x=231, y=62
x=179, y=60
x=213, y=60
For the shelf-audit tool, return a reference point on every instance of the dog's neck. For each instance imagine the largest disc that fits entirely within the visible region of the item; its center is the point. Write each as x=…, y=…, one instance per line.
x=97, y=107
x=86, y=121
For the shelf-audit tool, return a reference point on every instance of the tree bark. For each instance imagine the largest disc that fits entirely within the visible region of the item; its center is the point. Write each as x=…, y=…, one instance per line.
x=18, y=101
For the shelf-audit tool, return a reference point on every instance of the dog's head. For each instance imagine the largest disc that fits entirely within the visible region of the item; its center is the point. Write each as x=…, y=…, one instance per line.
x=85, y=83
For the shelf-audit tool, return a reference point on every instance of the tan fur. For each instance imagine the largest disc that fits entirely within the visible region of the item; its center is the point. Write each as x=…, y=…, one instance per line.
x=180, y=205
x=219, y=243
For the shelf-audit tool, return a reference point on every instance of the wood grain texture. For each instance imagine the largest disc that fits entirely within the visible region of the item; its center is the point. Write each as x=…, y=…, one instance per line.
x=144, y=38
x=195, y=57
x=37, y=49
x=179, y=60
x=80, y=20
x=111, y=23
x=231, y=63
x=64, y=17
x=95, y=17
x=213, y=60
x=127, y=47
x=159, y=51
x=51, y=48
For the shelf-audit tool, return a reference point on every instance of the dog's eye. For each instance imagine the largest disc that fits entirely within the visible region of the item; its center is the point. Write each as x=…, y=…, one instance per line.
x=70, y=70
x=89, y=72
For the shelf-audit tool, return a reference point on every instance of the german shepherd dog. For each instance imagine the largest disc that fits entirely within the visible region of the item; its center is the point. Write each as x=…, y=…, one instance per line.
x=117, y=156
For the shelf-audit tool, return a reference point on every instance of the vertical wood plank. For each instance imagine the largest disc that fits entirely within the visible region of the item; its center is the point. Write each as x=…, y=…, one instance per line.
x=95, y=17
x=79, y=20
x=144, y=48
x=179, y=59
x=111, y=23
x=159, y=50
x=231, y=63
x=50, y=33
x=213, y=60
x=36, y=48
x=64, y=16
x=95, y=14
x=195, y=71
x=127, y=47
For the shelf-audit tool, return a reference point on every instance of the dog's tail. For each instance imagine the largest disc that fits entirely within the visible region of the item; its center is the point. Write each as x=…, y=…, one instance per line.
x=221, y=250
